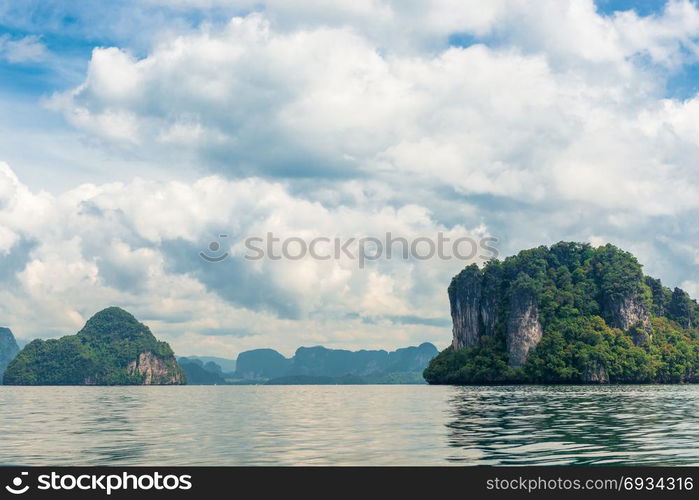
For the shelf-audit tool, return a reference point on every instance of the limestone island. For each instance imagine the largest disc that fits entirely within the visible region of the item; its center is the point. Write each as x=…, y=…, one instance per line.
x=113, y=348
x=567, y=314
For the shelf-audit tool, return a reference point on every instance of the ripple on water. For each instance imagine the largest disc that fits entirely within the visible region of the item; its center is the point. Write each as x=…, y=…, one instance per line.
x=355, y=425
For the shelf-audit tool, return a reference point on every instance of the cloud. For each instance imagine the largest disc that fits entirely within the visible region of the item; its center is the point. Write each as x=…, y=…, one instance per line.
x=509, y=120
x=565, y=30
x=28, y=49
x=137, y=244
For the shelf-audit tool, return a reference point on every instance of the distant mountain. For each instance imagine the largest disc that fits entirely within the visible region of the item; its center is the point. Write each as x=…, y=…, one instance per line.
x=393, y=378
x=226, y=365
x=320, y=361
x=199, y=373
x=8, y=349
x=320, y=365
x=317, y=380
x=113, y=348
x=409, y=359
x=261, y=364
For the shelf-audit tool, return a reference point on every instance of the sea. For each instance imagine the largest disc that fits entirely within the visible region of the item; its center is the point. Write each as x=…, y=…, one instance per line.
x=350, y=425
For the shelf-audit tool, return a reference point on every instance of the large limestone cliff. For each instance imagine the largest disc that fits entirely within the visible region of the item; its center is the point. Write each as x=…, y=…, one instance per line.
x=523, y=328
x=156, y=370
x=474, y=302
x=630, y=313
x=474, y=313
x=465, y=302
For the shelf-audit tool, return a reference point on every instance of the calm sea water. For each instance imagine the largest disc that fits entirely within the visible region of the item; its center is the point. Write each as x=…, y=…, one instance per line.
x=366, y=425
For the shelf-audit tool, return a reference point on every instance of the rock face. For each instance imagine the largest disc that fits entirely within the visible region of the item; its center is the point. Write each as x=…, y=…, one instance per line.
x=474, y=298
x=155, y=370
x=113, y=348
x=524, y=329
x=627, y=312
x=8, y=349
x=465, y=301
x=595, y=373
x=630, y=312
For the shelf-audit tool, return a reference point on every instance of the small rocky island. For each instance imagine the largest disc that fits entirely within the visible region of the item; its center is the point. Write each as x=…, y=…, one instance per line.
x=569, y=313
x=113, y=348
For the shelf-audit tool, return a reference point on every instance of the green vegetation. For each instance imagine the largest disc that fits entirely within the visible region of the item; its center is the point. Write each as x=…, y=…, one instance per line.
x=578, y=291
x=109, y=350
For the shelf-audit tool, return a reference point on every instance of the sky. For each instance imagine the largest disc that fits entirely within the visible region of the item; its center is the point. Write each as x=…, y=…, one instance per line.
x=133, y=134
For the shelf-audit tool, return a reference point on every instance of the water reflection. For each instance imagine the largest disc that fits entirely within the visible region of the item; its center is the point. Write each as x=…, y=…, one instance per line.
x=649, y=425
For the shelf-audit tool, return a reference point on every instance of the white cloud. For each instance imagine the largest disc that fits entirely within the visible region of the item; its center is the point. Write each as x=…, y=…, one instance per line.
x=137, y=245
x=511, y=121
x=22, y=50
x=565, y=30
x=669, y=39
